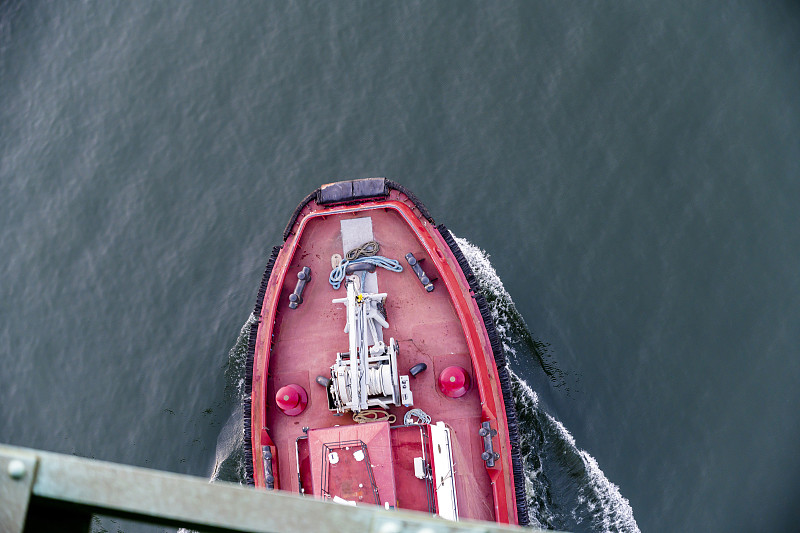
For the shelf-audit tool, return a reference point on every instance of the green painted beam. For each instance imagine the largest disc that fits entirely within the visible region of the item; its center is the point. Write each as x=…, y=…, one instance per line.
x=48, y=482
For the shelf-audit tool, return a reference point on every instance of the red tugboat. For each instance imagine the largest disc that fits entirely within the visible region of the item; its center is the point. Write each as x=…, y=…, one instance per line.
x=375, y=373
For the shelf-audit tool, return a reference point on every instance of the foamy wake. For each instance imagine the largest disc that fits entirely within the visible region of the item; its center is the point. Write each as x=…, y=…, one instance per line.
x=229, y=441
x=229, y=459
x=566, y=487
x=499, y=300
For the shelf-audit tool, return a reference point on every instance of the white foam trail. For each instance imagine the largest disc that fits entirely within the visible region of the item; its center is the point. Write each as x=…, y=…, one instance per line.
x=230, y=441
x=532, y=399
x=502, y=306
x=610, y=511
x=598, y=499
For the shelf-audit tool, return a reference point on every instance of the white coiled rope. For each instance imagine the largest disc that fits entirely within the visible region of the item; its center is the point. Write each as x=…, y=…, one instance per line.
x=422, y=417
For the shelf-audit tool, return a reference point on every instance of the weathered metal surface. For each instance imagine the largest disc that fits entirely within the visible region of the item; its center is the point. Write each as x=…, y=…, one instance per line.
x=63, y=483
x=17, y=470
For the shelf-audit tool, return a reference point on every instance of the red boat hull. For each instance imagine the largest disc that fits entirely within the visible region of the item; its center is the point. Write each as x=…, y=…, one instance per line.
x=445, y=328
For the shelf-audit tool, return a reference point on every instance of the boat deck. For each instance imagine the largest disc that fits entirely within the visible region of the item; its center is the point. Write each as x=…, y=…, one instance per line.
x=427, y=330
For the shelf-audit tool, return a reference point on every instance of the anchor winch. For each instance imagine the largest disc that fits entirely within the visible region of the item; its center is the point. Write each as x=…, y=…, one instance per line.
x=366, y=376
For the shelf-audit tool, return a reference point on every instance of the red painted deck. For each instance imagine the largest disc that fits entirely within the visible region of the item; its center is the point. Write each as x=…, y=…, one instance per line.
x=440, y=328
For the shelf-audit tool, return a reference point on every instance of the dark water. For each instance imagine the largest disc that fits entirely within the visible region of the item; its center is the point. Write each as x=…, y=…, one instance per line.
x=631, y=170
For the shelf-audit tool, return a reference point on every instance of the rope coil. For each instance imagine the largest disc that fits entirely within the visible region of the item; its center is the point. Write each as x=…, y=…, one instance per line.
x=373, y=415
x=338, y=273
x=367, y=249
x=422, y=416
